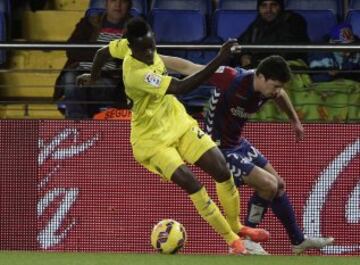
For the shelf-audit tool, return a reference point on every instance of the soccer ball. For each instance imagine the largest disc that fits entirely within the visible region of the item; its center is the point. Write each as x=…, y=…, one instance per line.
x=168, y=236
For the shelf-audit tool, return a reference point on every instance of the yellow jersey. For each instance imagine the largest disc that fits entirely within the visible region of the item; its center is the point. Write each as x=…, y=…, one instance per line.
x=158, y=119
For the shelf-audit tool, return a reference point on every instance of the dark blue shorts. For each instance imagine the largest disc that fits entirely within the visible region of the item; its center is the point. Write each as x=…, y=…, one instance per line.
x=242, y=159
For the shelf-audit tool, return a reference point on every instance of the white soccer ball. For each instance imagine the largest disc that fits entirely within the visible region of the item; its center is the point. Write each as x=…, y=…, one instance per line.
x=168, y=236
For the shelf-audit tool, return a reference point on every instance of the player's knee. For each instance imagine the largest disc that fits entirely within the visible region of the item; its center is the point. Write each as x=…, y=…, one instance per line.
x=186, y=180
x=271, y=187
x=281, y=184
x=281, y=188
x=222, y=173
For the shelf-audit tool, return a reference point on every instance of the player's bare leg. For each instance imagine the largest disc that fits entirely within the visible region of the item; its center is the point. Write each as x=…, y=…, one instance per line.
x=270, y=191
x=207, y=209
x=308, y=242
x=213, y=162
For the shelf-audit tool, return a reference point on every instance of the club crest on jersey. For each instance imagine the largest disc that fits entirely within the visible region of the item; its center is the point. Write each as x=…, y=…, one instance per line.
x=153, y=79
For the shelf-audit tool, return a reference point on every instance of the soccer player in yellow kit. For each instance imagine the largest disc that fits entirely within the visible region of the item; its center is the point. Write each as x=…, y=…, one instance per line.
x=163, y=135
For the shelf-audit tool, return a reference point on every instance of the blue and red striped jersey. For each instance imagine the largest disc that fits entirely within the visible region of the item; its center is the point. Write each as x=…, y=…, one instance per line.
x=231, y=104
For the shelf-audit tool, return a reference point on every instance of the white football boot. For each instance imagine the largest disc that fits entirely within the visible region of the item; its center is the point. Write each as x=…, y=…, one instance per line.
x=254, y=248
x=312, y=242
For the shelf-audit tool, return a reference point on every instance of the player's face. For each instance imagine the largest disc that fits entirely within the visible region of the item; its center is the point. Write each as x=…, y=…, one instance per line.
x=143, y=48
x=269, y=10
x=116, y=10
x=268, y=87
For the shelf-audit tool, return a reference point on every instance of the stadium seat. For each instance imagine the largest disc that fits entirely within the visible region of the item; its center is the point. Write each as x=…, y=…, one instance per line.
x=232, y=23
x=353, y=17
x=319, y=23
x=354, y=4
x=43, y=25
x=70, y=5
x=96, y=10
x=334, y=5
x=178, y=26
x=19, y=84
x=97, y=4
x=93, y=11
x=3, y=37
x=5, y=10
x=204, y=6
x=237, y=4
x=139, y=6
x=5, y=7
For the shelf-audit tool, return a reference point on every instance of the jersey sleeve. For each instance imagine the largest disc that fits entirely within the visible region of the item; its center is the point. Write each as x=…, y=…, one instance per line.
x=223, y=77
x=147, y=81
x=119, y=48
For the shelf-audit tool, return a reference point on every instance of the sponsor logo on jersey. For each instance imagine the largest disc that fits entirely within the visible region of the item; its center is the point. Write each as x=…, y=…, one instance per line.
x=239, y=112
x=153, y=79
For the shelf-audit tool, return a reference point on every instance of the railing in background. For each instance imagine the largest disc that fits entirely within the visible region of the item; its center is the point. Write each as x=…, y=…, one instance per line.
x=255, y=48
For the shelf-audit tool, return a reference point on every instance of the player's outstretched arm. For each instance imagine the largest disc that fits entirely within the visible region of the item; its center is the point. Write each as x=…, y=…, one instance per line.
x=100, y=58
x=180, y=65
x=192, y=81
x=284, y=103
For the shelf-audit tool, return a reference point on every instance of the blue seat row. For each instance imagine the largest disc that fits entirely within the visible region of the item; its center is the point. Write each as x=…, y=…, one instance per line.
x=189, y=26
x=3, y=36
x=191, y=23
x=354, y=4
x=139, y=6
x=5, y=10
x=5, y=18
x=336, y=6
x=353, y=18
x=319, y=23
x=206, y=6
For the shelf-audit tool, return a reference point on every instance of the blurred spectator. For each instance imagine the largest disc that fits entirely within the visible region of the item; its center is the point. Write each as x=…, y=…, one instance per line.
x=273, y=25
x=101, y=27
x=337, y=61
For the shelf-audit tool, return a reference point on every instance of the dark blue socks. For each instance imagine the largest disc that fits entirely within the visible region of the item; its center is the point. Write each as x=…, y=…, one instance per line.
x=257, y=207
x=282, y=208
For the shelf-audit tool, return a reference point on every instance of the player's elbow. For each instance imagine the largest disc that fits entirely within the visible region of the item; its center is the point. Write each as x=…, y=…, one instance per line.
x=103, y=53
x=176, y=87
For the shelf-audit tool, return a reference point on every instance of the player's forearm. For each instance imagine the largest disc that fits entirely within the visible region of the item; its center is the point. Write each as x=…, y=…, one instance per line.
x=100, y=58
x=196, y=79
x=180, y=65
x=284, y=103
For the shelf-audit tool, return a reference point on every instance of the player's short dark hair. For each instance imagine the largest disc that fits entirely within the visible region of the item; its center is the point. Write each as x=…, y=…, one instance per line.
x=135, y=28
x=274, y=67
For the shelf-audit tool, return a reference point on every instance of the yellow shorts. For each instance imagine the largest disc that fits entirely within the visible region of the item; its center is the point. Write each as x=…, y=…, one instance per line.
x=190, y=147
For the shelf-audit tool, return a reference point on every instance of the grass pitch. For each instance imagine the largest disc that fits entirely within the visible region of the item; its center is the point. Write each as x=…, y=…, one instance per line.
x=47, y=258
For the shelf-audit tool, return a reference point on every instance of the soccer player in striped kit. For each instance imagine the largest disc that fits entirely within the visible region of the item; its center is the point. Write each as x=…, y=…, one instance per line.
x=240, y=93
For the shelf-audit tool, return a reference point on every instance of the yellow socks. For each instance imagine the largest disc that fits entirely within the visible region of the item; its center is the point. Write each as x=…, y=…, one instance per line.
x=230, y=201
x=211, y=213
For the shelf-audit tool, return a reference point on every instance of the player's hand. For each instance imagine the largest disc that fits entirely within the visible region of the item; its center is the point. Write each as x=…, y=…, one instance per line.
x=84, y=80
x=228, y=48
x=298, y=130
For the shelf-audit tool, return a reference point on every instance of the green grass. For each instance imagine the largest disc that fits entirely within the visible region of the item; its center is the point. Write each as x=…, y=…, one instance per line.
x=47, y=258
